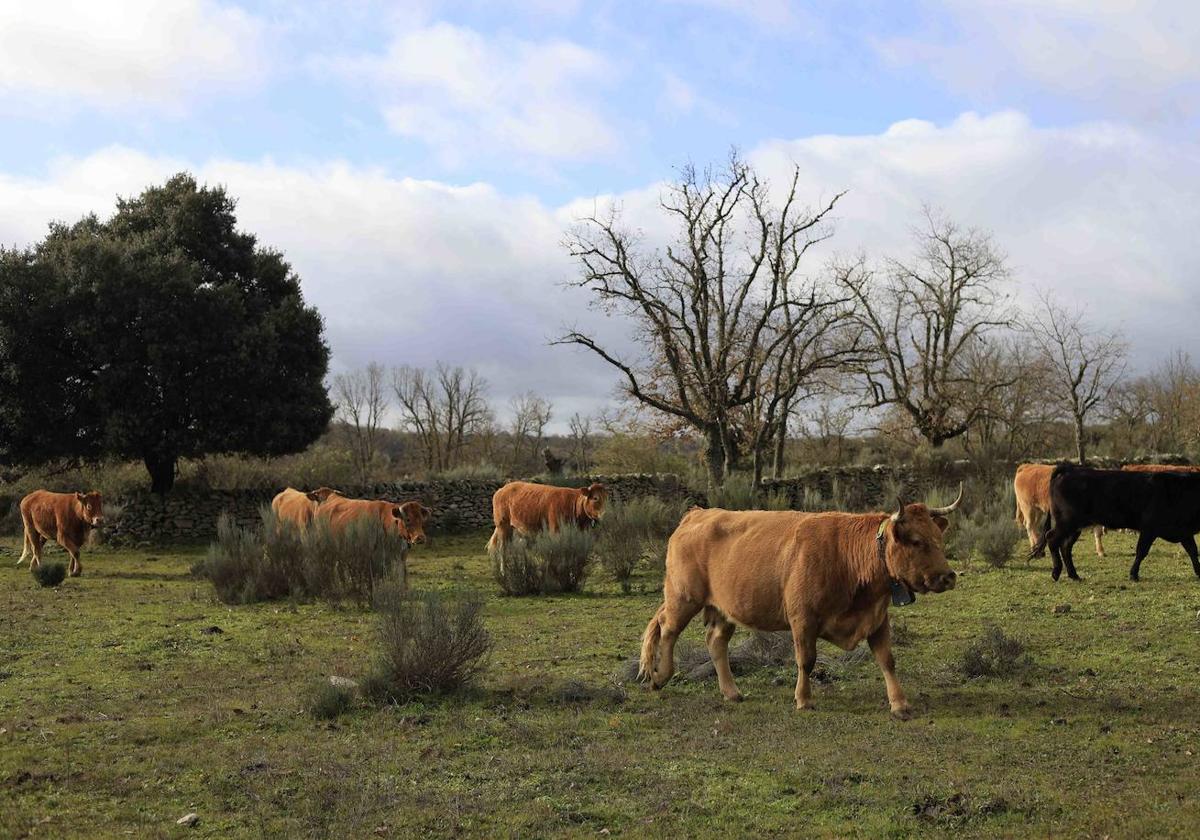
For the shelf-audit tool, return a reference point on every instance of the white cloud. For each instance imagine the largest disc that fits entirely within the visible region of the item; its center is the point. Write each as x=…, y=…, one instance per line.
x=127, y=53
x=1100, y=213
x=1139, y=58
x=464, y=93
x=411, y=271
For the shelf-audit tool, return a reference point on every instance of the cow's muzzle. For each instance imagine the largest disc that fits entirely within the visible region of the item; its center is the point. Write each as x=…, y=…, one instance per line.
x=943, y=581
x=97, y=521
x=419, y=539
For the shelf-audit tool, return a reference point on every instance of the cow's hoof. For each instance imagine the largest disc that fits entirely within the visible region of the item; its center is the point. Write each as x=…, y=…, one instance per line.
x=805, y=707
x=1135, y=578
x=736, y=697
x=903, y=713
x=74, y=573
x=1076, y=578
x=1054, y=576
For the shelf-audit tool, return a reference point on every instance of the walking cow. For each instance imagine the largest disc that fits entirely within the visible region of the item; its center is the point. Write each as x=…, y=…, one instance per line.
x=1156, y=504
x=63, y=517
x=821, y=575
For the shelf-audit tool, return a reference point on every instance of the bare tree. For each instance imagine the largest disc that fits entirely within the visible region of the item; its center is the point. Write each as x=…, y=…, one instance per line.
x=727, y=323
x=530, y=415
x=361, y=403
x=444, y=408
x=1085, y=363
x=581, y=442
x=1015, y=421
x=922, y=317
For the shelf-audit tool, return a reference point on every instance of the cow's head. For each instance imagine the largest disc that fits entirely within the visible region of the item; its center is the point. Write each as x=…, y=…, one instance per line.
x=915, y=555
x=415, y=515
x=91, y=508
x=592, y=500
x=321, y=494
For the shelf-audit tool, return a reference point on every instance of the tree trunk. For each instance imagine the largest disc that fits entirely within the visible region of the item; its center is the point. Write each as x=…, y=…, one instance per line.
x=1080, y=442
x=162, y=472
x=714, y=459
x=780, y=444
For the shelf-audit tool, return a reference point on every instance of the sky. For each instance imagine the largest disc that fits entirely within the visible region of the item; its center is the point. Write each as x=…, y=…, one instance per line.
x=419, y=163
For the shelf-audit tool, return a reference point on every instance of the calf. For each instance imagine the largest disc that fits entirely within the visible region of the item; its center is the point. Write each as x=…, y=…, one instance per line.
x=528, y=508
x=65, y=518
x=820, y=575
x=1156, y=504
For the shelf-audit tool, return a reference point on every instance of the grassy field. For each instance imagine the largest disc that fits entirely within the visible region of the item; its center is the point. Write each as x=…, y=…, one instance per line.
x=130, y=697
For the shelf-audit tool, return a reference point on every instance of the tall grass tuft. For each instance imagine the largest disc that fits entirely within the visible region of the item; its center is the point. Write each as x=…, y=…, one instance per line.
x=739, y=493
x=634, y=530
x=49, y=574
x=544, y=563
x=427, y=645
x=994, y=654
x=277, y=560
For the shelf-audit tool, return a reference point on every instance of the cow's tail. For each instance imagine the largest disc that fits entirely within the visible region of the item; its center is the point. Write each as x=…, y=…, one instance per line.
x=650, y=640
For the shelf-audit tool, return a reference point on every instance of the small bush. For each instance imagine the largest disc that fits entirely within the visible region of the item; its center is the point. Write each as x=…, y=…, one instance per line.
x=987, y=534
x=326, y=701
x=994, y=655
x=49, y=574
x=633, y=530
x=277, y=560
x=547, y=562
x=428, y=645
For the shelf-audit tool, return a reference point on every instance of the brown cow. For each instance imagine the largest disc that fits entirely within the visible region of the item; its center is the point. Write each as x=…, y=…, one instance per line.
x=65, y=518
x=298, y=507
x=1031, y=486
x=528, y=508
x=406, y=520
x=821, y=575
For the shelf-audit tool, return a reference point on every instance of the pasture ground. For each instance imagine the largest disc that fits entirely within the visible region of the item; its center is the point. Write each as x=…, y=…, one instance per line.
x=130, y=697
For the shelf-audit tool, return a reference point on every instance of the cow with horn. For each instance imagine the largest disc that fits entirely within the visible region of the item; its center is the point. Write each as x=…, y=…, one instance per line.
x=821, y=575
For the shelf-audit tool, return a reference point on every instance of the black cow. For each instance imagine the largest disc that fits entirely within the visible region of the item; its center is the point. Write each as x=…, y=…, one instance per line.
x=1158, y=505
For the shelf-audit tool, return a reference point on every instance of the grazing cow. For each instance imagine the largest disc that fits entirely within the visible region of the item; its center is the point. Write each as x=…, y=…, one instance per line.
x=65, y=518
x=821, y=575
x=528, y=508
x=1031, y=486
x=1158, y=505
x=405, y=520
x=298, y=507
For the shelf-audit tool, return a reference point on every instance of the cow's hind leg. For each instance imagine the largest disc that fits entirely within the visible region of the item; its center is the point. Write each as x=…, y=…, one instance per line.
x=1189, y=545
x=1054, y=543
x=881, y=645
x=1098, y=535
x=1068, y=556
x=717, y=633
x=804, y=638
x=1143, y=548
x=72, y=548
x=1035, y=523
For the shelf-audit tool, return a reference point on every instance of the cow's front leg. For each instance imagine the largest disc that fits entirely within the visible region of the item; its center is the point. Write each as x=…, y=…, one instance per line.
x=72, y=549
x=881, y=645
x=1069, y=556
x=804, y=638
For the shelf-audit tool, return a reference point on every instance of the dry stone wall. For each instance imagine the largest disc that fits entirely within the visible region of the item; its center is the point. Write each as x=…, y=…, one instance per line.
x=461, y=504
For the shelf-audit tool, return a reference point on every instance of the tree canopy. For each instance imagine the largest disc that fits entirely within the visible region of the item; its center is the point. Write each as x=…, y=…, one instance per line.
x=160, y=333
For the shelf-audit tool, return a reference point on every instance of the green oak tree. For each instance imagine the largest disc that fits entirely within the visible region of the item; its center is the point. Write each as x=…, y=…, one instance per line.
x=161, y=333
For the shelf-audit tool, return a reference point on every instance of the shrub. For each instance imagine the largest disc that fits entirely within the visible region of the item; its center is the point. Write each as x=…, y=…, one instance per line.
x=326, y=701
x=632, y=530
x=428, y=645
x=987, y=534
x=49, y=574
x=994, y=655
x=277, y=560
x=546, y=562
x=739, y=493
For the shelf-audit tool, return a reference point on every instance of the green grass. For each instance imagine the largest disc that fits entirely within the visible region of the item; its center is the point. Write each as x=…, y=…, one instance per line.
x=121, y=710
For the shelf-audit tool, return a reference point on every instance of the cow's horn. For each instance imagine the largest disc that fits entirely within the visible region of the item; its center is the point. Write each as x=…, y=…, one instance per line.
x=942, y=511
x=899, y=514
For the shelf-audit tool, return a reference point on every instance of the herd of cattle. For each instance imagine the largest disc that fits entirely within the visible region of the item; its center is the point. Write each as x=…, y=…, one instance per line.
x=827, y=575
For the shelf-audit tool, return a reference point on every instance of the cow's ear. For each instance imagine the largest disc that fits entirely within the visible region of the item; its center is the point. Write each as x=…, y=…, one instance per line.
x=80, y=497
x=398, y=512
x=427, y=512
x=942, y=522
x=314, y=496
